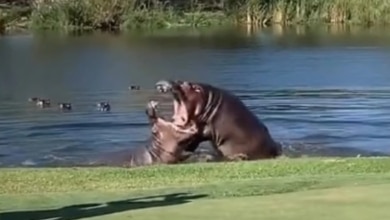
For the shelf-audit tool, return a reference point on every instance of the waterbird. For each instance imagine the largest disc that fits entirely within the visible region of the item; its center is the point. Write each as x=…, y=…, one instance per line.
x=43, y=103
x=65, y=106
x=103, y=106
x=134, y=87
x=33, y=99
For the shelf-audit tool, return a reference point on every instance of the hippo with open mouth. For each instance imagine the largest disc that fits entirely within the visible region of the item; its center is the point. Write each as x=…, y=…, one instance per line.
x=234, y=131
x=166, y=145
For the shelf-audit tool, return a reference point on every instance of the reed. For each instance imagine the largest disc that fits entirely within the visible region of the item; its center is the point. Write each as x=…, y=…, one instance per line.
x=319, y=11
x=130, y=14
x=13, y=17
x=116, y=14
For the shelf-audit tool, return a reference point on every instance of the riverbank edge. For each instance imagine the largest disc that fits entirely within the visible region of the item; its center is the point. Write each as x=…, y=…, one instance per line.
x=108, y=179
x=124, y=15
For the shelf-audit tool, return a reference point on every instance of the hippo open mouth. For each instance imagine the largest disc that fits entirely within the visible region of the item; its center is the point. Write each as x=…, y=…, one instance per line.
x=180, y=111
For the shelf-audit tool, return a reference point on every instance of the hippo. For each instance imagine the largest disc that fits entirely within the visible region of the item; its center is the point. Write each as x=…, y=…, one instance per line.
x=166, y=145
x=233, y=130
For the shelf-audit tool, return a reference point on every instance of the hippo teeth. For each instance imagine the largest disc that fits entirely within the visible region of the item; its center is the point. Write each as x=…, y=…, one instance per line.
x=161, y=89
x=163, y=86
x=153, y=104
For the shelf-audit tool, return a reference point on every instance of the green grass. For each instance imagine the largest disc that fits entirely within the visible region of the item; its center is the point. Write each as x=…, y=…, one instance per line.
x=37, y=180
x=357, y=187
x=135, y=14
x=341, y=203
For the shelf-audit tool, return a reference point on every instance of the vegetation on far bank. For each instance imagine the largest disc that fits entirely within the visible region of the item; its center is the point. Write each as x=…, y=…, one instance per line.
x=347, y=188
x=130, y=14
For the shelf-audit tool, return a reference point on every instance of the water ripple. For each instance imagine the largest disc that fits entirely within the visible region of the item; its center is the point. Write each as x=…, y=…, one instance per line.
x=324, y=96
x=314, y=93
x=87, y=125
x=42, y=134
x=324, y=117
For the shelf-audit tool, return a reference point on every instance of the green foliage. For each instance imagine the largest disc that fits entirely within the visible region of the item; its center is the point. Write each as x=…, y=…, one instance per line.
x=130, y=14
x=115, y=14
x=326, y=11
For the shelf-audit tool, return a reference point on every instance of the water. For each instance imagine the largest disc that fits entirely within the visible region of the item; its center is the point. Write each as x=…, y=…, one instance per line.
x=319, y=88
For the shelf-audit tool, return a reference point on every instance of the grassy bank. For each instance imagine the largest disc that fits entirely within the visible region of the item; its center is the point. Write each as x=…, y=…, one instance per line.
x=274, y=189
x=130, y=14
x=38, y=180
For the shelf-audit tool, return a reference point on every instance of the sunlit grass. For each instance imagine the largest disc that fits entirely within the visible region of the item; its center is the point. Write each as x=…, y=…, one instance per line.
x=275, y=189
x=37, y=180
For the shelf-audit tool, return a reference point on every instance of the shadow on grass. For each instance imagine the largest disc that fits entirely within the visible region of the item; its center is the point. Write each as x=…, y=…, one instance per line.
x=97, y=209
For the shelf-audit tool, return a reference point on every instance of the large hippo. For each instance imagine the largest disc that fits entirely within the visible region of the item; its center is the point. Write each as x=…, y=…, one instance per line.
x=234, y=131
x=167, y=144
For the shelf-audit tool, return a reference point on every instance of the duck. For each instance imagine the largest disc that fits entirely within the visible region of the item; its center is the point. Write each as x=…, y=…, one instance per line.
x=65, y=106
x=43, y=103
x=104, y=106
x=33, y=99
x=134, y=87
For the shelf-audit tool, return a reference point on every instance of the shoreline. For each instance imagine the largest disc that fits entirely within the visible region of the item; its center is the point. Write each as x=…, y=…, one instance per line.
x=127, y=15
x=202, y=155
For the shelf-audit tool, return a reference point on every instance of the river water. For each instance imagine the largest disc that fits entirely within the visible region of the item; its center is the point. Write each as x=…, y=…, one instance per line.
x=322, y=88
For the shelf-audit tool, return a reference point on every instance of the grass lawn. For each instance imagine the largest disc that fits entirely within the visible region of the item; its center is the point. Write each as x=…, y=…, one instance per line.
x=320, y=188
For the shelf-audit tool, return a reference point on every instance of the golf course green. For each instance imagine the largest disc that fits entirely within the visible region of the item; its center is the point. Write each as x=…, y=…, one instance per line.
x=304, y=188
